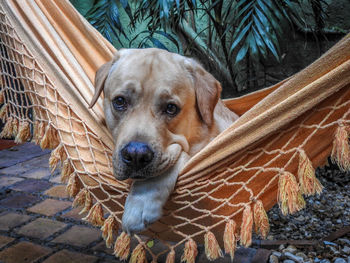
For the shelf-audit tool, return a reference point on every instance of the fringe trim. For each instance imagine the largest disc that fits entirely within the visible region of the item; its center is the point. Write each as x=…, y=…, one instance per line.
x=309, y=184
x=230, y=240
x=138, y=255
x=58, y=154
x=23, y=132
x=3, y=112
x=39, y=129
x=289, y=196
x=190, y=252
x=122, y=246
x=261, y=220
x=95, y=215
x=246, y=227
x=87, y=203
x=109, y=227
x=50, y=138
x=2, y=96
x=212, y=248
x=67, y=171
x=7, y=131
x=72, y=186
x=171, y=257
x=341, y=148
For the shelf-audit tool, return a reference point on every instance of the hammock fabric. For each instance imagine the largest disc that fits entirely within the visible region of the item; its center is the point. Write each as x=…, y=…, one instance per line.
x=49, y=56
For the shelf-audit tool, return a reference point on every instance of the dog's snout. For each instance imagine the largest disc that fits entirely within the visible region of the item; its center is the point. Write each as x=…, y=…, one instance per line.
x=137, y=155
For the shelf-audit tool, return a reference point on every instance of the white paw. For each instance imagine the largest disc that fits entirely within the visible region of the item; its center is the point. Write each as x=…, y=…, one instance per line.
x=139, y=214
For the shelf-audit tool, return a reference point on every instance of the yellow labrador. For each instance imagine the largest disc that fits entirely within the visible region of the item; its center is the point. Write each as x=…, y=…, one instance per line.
x=161, y=109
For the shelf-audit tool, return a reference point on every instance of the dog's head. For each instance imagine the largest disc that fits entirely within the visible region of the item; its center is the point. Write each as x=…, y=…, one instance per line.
x=156, y=105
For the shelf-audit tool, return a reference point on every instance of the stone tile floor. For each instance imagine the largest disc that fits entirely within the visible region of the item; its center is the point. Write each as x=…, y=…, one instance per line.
x=37, y=221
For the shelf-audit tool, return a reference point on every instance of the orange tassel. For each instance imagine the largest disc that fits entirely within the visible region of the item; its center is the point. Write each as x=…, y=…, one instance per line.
x=190, y=252
x=14, y=127
x=246, y=227
x=212, y=248
x=230, y=241
x=122, y=246
x=50, y=138
x=108, y=229
x=58, y=154
x=138, y=255
x=171, y=257
x=261, y=220
x=7, y=130
x=289, y=196
x=80, y=198
x=72, y=186
x=95, y=215
x=67, y=170
x=23, y=132
x=39, y=131
x=3, y=112
x=341, y=148
x=309, y=184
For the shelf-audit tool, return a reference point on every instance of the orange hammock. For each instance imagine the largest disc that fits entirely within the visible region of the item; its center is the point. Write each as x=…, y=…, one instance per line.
x=49, y=56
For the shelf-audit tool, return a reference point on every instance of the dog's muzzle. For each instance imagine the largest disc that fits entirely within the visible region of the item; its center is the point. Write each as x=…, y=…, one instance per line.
x=136, y=155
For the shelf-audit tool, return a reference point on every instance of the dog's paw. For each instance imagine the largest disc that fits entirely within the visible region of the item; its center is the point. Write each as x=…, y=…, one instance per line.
x=139, y=214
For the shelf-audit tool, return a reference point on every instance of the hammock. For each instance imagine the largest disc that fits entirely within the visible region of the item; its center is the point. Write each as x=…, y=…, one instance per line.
x=49, y=56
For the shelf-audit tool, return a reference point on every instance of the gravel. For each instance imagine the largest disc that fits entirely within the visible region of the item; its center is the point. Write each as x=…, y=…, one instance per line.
x=323, y=215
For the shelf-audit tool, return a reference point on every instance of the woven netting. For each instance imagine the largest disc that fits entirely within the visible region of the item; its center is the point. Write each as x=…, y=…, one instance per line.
x=49, y=56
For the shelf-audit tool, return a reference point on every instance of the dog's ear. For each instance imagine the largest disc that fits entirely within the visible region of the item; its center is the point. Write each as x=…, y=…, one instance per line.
x=207, y=90
x=100, y=78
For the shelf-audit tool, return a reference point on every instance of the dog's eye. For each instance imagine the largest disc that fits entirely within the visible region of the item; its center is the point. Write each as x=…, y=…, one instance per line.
x=119, y=103
x=171, y=109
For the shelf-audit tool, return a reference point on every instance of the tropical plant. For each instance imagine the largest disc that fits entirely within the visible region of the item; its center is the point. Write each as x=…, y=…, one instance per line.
x=232, y=38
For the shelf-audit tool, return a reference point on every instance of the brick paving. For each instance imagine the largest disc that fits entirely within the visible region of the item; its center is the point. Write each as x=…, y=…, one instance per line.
x=37, y=221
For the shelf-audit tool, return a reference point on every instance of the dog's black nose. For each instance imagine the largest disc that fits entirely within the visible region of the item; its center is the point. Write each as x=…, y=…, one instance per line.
x=137, y=155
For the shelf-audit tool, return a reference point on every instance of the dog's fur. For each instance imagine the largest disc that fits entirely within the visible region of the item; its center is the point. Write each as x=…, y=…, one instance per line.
x=148, y=80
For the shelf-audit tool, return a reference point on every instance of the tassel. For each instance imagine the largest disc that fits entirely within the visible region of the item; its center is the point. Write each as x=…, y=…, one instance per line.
x=190, y=252
x=72, y=186
x=246, y=227
x=7, y=130
x=14, y=127
x=261, y=220
x=80, y=198
x=212, y=248
x=2, y=96
x=138, y=255
x=39, y=131
x=23, y=132
x=230, y=241
x=341, y=148
x=58, y=154
x=3, y=112
x=49, y=140
x=95, y=215
x=109, y=227
x=171, y=257
x=122, y=246
x=87, y=205
x=289, y=196
x=309, y=184
x=67, y=170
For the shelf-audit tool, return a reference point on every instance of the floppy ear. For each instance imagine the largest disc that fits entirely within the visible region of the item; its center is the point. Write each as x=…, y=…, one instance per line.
x=100, y=78
x=207, y=90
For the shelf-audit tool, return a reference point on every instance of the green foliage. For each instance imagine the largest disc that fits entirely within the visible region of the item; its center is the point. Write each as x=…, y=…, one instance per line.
x=229, y=37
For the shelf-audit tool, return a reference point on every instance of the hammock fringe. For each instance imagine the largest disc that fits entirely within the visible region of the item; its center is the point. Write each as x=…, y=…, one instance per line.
x=109, y=227
x=23, y=132
x=212, y=248
x=230, y=240
x=309, y=184
x=7, y=131
x=341, y=148
x=95, y=215
x=72, y=186
x=289, y=195
x=67, y=171
x=190, y=252
x=261, y=221
x=2, y=95
x=122, y=246
x=3, y=112
x=246, y=227
x=57, y=155
x=39, y=132
x=170, y=257
x=138, y=255
x=50, y=138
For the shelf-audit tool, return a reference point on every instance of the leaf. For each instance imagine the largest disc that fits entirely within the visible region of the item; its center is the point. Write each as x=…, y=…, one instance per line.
x=241, y=53
x=240, y=36
x=83, y=6
x=157, y=43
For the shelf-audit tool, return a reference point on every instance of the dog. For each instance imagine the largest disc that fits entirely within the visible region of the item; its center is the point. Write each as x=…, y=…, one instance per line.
x=161, y=108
